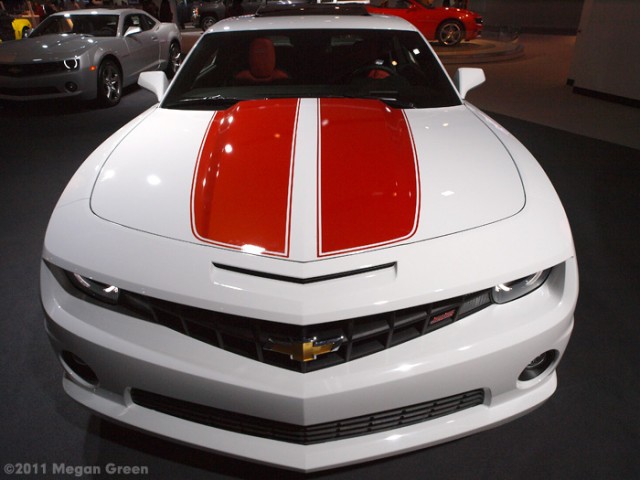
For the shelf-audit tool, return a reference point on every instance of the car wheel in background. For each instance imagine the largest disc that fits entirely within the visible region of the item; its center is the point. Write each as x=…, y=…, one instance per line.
x=450, y=33
x=109, y=84
x=208, y=22
x=175, y=59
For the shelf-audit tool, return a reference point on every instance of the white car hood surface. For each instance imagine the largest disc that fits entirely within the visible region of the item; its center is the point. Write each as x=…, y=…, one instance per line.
x=47, y=48
x=306, y=179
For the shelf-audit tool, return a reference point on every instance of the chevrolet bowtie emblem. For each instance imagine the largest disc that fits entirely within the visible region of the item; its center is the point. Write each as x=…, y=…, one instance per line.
x=305, y=350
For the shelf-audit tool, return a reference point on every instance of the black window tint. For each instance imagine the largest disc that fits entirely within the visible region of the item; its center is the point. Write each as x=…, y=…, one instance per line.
x=132, y=21
x=82, y=24
x=397, y=67
x=399, y=4
x=147, y=22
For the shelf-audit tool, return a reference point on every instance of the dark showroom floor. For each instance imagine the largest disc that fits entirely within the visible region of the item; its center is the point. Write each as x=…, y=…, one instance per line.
x=589, y=429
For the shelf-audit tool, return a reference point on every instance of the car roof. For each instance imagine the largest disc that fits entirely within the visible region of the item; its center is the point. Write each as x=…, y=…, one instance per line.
x=312, y=17
x=99, y=11
x=290, y=10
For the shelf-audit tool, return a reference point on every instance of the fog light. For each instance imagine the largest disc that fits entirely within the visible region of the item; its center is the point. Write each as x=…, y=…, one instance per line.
x=79, y=370
x=537, y=366
x=71, y=87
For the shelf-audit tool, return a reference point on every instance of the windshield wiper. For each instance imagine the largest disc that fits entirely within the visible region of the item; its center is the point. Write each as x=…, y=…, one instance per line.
x=216, y=101
x=394, y=102
x=220, y=102
x=382, y=96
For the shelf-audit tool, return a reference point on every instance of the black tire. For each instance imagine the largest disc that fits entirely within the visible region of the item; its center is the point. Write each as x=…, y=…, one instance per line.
x=109, y=84
x=25, y=32
x=207, y=22
x=450, y=33
x=175, y=59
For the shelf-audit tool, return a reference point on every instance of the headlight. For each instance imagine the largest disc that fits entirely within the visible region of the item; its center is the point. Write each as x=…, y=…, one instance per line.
x=507, y=292
x=101, y=291
x=71, y=64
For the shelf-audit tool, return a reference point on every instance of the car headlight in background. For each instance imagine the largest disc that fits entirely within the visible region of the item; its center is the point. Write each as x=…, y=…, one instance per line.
x=71, y=64
x=507, y=292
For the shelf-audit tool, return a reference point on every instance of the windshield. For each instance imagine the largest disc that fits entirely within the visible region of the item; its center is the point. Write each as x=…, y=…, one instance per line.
x=96, y=25
x=396, y=67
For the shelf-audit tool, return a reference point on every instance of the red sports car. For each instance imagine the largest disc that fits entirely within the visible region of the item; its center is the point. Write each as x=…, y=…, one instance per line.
x=448, y=25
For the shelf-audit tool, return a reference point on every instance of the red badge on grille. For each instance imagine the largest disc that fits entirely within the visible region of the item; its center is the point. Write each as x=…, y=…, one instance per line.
x=443, y=316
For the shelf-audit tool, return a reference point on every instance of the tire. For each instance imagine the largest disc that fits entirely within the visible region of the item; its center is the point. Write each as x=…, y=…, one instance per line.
x=25, y=32
x=207, y=22
x=109, y=84
x=450, y=33
x=175, y=59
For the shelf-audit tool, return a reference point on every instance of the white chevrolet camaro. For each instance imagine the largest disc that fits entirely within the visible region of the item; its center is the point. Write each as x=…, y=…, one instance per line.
x=312, y=252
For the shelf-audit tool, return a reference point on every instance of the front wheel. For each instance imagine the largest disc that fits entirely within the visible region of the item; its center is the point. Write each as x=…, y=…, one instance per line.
x=208, y=22
x=109, y=84
x=450, y=33
x=175, y=59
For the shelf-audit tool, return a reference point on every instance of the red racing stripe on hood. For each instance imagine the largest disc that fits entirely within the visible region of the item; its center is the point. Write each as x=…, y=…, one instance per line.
x=368, y=177
x=241, y=192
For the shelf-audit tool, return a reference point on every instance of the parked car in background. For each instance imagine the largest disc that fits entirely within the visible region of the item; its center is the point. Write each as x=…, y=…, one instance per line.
x=184, y=9
x=206, y=13
x=338, y=260
x=447, y=25
x=87, y=54
x=13, y=28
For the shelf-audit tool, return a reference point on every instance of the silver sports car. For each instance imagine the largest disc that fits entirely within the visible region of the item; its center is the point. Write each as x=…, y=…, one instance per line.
x=87, y=54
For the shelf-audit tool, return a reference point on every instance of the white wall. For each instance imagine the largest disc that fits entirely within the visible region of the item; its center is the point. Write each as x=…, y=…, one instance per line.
x=606, y=58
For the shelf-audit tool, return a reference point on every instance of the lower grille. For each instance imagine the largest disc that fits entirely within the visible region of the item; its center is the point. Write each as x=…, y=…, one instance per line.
x=312, y=434
x=28, y=91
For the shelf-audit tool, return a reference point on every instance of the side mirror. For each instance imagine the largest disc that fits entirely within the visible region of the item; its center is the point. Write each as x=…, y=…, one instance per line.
x=155, y=82
x=132, y=31
x=467, y=78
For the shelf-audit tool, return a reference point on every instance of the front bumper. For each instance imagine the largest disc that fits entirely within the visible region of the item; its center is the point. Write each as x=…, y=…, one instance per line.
x=487, y=350
x=82, y=84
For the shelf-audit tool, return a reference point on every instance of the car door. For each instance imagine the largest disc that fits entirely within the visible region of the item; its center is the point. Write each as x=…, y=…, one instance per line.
x=143, y=45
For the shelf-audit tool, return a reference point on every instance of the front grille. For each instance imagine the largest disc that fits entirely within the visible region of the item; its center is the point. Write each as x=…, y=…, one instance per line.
x=311, y=434
x=248, y=337
x=30, y=69
x=255, y=338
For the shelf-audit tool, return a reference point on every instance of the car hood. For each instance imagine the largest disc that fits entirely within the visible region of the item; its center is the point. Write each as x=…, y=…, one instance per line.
x=307, y=179
x=46, y=48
